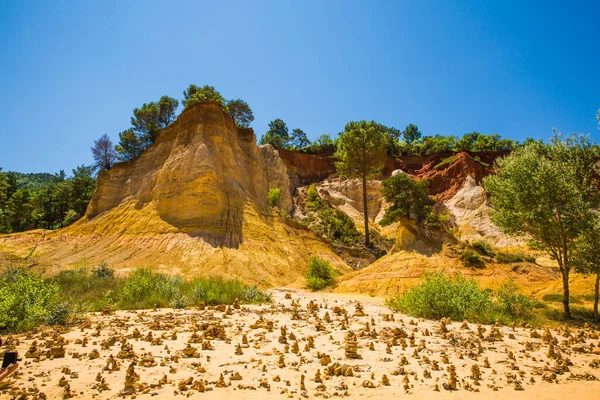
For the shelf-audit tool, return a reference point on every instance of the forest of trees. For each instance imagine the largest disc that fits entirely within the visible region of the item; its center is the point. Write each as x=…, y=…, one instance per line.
x=48, y=201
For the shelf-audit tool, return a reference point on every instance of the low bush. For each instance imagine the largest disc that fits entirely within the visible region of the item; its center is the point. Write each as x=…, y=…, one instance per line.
x=102, y=270
x=438, y=295
x=319, y=274
x=483, y=247
x=84, y=291
x=509, y=257
x=472, y=259
x=273, y=197
x=512, y=303
x=338, y=227
x=217, y=290
x=313, y=200
x=558, y=298
x=26, y=300
x=446, y=162
x=333, y=224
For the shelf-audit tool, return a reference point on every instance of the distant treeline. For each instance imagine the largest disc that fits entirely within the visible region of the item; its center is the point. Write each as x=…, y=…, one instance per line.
x=49, y=201
x=148, y=120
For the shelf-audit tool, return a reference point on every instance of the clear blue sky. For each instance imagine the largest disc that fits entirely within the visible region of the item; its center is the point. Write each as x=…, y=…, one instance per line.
x=73, y=70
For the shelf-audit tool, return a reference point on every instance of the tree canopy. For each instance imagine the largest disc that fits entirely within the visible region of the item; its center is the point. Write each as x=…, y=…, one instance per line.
x=278, y=134
x=586, y=256
x=405, y=195
x=240, y=112
x=146, y=123
x=411, y=133
x=194, y=94
x=547, y=192
x=104, y=153
x=361, y=151
x=29, y=201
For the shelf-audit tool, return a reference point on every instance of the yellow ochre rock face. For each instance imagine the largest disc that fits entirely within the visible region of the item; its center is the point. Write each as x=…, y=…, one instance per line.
x=194, y=203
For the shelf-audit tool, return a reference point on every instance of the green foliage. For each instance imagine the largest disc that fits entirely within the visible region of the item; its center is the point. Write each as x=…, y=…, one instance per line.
x=273, y=197
x=319, y=274
x=547, y=192
x=84, y=291
x=508, y=257
x=278, y=134
x=438, y=296
x=323, y=145
x=217, y=290
x=333, y=224
x=511, y=303
x=406, y=195
x=146, y=124
x=411, y=133
x=586, y=254
x=151, y=118
x=103, y=271
x=472, y=259
x=26, y=300
x=194, y=94
x=240, y=112
x=483, y=247
x=338, y=227
x=558, y=298
x=298, y=140
x=471, y=142
x=313, y=200
x=130, y=146
x=361, y=151
x=29, y=201
x=60, y=314
x=446, y=162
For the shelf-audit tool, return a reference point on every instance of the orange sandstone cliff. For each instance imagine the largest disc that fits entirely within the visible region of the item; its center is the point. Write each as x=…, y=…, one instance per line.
x=194, y=203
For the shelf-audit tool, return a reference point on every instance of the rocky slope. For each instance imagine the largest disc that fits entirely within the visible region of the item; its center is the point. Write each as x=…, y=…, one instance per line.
x=195, y=203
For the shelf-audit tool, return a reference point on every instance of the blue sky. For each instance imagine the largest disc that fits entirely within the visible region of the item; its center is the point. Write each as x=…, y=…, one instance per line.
x=73, y=70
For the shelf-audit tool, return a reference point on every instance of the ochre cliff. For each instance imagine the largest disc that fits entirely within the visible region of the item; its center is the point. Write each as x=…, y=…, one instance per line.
x=195, y=203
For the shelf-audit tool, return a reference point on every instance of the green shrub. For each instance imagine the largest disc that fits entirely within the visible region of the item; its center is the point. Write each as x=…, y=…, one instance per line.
x=512, y=303
x=509, y=258
x=313, y=200
x=82, y=290
x=338, y=227
x=217, y=290
x=273, y=197
x=558, y=298
x=103, y=271
x=472, y=259
x=137, y=290
x=26, y=300
x=446, y=162
x=406, y=196
x=483, y=247
x=319, y=274
x=333, y=224
x=438, y=295
x=59, y=314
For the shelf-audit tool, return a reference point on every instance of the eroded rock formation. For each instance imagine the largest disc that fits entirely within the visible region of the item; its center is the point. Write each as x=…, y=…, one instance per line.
x=194, y=203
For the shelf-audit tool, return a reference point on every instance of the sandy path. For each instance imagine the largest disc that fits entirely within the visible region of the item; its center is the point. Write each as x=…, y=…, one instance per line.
x=417, y=357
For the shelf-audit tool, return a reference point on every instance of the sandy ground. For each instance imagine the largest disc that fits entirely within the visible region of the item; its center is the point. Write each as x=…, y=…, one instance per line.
x=276, y=351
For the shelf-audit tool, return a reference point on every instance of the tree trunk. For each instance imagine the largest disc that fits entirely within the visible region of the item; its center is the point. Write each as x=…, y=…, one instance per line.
x=567, y=308
x=364, y=185
x=596, y=297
